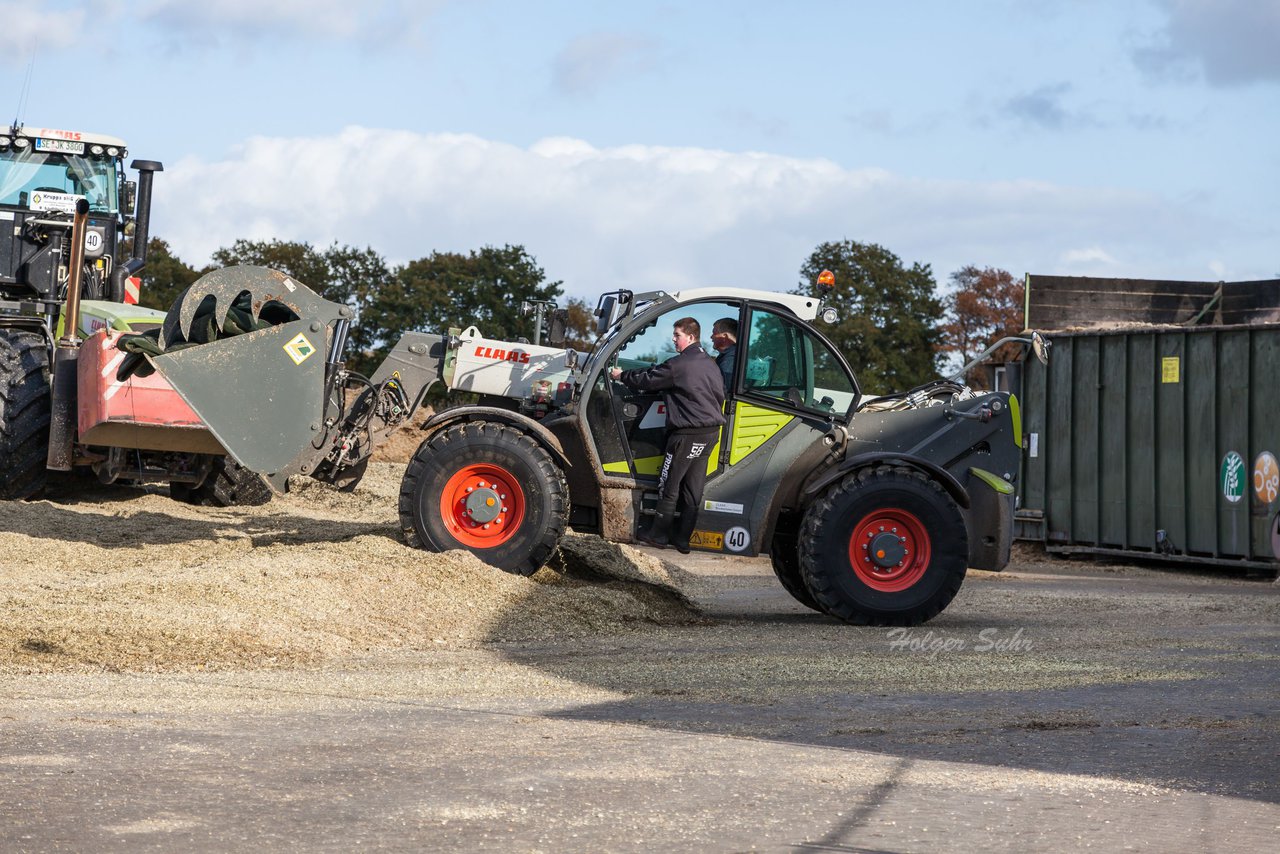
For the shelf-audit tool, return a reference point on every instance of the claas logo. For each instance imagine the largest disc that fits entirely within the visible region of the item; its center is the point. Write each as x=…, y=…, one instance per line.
x=502, y=355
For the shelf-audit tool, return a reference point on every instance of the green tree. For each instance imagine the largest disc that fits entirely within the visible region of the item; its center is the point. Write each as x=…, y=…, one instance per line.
x=888, y=327
x=986, y=305
x=165, y=276
x=449, y=289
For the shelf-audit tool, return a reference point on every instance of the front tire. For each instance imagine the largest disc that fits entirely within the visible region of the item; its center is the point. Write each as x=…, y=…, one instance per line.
x=487, y=488
x=884, y=547
x=25, y=407
x=784, y=555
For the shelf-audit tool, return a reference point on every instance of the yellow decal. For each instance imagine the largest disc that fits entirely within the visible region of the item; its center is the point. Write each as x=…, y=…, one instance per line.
x=1169, y=369
x=299, y=349
x=752, y=427
x=707, y=540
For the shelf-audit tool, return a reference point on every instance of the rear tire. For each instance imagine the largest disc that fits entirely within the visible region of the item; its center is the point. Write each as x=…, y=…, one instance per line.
x=229, y=484
x=784, y=554
x=25, y=407
x=884, y=547
x=487, y=488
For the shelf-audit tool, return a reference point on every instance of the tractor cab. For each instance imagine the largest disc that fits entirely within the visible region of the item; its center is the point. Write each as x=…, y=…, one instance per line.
x=44, y=172
x=785, y=386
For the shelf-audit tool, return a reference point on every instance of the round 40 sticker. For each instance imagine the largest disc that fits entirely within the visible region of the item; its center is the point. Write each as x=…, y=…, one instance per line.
x=737, y=539
x=1232, y=477
x=1266, y=477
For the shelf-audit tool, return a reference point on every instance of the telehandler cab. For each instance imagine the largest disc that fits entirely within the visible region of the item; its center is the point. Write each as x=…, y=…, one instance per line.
x=870, y=512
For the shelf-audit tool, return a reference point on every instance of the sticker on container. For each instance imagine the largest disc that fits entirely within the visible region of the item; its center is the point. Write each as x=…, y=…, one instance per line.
x=1266, y=477
x=1170, y=369
x=299, y=349
x=722, y=507
x=737, y=539
x=1232, y=477
x=1033, y=445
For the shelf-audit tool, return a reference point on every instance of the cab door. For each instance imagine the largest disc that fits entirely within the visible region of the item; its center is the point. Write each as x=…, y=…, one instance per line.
x=789, y=387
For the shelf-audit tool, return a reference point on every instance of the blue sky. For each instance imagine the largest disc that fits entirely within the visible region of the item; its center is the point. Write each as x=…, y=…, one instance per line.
x=655, y=144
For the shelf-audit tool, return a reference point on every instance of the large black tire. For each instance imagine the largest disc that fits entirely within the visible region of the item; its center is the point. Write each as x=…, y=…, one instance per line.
x=784, y=554
x=487, y=488
x=24, y=413
x=229, y=484
x=884, y=547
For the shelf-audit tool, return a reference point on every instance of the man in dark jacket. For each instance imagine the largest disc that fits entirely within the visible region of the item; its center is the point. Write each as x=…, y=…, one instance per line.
x=693, y=388
x=724, y=337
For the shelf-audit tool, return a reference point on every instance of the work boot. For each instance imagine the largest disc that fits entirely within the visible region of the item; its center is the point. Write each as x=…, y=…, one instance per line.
x=659, y=531
x=683, y=530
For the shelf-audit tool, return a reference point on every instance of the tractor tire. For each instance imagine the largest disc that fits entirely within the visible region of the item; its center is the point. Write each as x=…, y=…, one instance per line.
x=884, y=547
x=784, y=554
x=229, y=484
x=25, y=408
x=487, y=488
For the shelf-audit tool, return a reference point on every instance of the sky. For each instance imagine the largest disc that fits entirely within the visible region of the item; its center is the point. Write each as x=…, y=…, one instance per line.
x=669, y=145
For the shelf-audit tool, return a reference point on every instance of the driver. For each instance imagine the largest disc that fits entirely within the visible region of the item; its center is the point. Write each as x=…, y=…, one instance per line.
x=693, y=389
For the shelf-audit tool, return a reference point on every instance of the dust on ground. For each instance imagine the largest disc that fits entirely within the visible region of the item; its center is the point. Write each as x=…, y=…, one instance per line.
x=126, y=579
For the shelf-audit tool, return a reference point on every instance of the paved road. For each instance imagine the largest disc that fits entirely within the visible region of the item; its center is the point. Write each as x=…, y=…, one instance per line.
x=1048, y=709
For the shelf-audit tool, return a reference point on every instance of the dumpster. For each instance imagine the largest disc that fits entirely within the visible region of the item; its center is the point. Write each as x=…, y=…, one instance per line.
x=1155, y=441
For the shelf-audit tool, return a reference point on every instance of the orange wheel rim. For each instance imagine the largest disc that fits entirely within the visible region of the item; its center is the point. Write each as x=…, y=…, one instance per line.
x=482, y=506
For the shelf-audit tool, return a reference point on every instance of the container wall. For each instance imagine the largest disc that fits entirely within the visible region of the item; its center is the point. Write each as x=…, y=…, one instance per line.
x=1155, y=441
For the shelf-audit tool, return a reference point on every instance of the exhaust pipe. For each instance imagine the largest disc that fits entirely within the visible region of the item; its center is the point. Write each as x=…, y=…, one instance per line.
x=142, y=228
x=66, y=355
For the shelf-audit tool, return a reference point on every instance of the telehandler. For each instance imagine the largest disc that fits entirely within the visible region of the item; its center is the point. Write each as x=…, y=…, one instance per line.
x=871, y=511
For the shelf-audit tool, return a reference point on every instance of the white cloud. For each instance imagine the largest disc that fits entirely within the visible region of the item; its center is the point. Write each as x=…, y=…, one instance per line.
x=644, y=217
x=368, y=22
x=28, y=28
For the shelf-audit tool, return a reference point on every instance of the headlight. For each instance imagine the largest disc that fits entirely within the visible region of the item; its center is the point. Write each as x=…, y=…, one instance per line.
x=22, y=142
x=113, y=151
x=96, y=150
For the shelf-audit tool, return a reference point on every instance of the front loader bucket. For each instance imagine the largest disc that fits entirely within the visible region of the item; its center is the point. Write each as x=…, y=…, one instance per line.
x=261, y=393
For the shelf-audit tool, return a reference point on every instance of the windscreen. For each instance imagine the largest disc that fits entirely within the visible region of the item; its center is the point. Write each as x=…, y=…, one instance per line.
x=24, y=172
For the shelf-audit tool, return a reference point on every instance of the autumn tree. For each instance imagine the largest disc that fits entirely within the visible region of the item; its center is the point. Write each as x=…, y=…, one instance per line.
x=985, y=306
x=887, y=329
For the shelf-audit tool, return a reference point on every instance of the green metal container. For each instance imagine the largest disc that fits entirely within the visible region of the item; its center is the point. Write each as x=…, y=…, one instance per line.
x=1157, y=442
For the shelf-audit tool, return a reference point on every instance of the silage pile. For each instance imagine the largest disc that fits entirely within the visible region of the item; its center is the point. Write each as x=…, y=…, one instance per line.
x=121, y=579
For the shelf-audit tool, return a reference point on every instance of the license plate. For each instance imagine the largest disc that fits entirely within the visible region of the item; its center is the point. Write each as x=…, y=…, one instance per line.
x=62, y=146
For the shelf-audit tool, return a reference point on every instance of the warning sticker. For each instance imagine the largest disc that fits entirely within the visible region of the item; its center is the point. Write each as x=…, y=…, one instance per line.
x=1231, y=477
x=707, y=540
x=299, y=349
x=1170, y=369
x=1266, y=477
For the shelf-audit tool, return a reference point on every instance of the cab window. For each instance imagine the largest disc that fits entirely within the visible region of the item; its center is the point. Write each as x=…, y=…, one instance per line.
x=790, y=364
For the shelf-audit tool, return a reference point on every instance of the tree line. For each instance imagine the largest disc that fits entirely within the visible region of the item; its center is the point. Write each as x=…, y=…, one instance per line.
x=895, y=329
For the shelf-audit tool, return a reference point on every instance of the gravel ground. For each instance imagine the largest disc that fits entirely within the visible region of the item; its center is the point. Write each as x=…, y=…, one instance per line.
x=187, y=678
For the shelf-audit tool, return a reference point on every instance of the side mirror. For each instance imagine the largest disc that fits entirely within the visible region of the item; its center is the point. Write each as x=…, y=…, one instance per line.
x=1040, y=346
x=557, y=326
x=605, y=311
x=130, y=199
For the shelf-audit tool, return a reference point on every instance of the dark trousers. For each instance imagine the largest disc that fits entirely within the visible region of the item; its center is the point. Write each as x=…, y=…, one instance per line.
x=684, y=474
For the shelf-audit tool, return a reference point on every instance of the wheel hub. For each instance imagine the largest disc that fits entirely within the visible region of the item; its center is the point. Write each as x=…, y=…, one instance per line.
x=886, y=550
x=483, y=505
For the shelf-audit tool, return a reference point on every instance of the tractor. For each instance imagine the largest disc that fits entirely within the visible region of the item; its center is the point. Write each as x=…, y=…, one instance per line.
x=870, y=510
x=67, y=207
